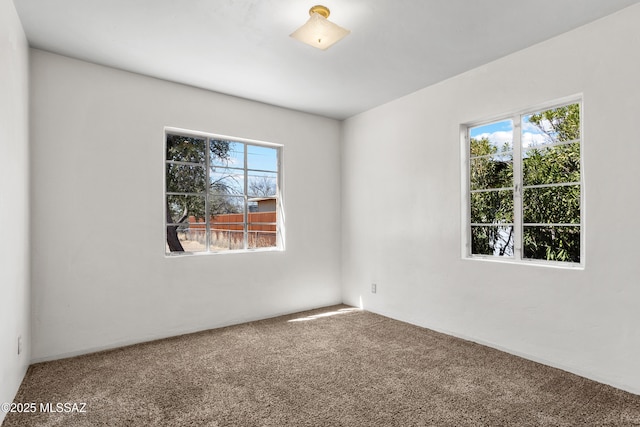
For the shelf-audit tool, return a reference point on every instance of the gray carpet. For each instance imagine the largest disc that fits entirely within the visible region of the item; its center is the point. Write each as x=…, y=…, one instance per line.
x=352, y=368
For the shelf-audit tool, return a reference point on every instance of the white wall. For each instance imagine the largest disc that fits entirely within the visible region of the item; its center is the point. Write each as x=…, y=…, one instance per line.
x=14, y=202
x=401, y=207
x=100, y=276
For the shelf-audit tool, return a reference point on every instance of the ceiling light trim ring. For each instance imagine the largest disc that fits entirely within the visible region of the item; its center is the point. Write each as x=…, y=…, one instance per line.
x=320, y=10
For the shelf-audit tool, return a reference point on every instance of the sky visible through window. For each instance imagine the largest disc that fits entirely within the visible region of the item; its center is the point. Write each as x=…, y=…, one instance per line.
x=499, y=133
x=258, y=157
x=262, y=166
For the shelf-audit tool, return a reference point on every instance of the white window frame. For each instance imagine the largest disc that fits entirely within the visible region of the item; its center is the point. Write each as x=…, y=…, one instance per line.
x=516, y=119
x=280, y=232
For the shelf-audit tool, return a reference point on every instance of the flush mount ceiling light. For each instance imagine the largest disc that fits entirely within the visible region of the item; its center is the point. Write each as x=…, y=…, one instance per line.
x=319, y=32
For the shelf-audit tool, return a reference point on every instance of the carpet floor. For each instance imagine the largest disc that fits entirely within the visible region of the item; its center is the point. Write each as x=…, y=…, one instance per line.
x=336, y=366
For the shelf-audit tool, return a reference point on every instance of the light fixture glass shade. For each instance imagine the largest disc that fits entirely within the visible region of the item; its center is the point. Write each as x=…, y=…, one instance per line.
x=319, y=32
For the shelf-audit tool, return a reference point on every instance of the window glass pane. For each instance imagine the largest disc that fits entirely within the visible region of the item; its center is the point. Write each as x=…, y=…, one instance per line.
x=492, y=240
x=179, y=208
x=491, y=138
x=185, y=178
x=224, y=204
x=191, y=240
x=551, y=165
x=550, y=126
x=226, y=238
x=262, y=204
x=226, y=181
x=185, y=149
x=552, y=243
x=560, y=205
x=186, y=228
x=262, y=184
x=227, y=222
x=492, y=207
x=491, y=172
x=262, y=227
x=227, y=154
x=262, y=158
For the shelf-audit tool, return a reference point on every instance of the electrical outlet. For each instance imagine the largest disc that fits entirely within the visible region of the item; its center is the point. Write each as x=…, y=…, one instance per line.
x=19, y=344
x=374, y=288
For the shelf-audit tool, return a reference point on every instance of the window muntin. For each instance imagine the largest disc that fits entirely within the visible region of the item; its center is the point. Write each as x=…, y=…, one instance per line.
x=525, y=186
x=221, y=194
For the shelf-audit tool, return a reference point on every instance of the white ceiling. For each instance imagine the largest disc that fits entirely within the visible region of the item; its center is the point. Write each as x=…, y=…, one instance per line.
x=243, y=48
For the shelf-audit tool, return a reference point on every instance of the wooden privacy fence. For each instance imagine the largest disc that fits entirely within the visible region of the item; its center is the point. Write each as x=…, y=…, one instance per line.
x=227, y=229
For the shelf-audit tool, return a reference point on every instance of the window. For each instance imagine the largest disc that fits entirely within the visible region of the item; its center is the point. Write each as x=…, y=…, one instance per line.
x=221, y=194
x=524, y=198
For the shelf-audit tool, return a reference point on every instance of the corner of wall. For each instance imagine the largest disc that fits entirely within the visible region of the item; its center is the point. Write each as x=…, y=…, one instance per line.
x=15, y=334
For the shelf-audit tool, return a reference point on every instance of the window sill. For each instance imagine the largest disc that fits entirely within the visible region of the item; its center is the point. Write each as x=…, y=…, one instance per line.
x=239, y=251
x=528, y=263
